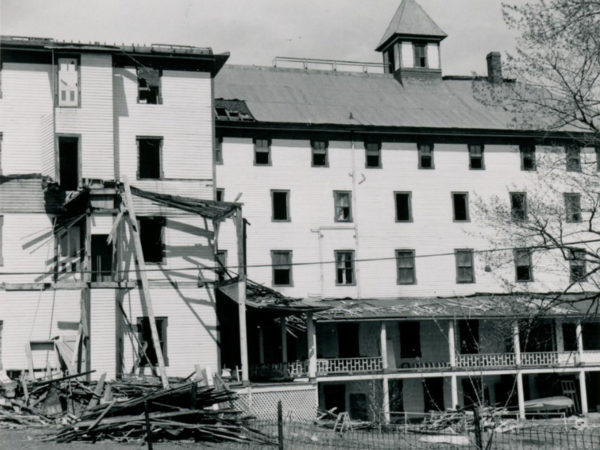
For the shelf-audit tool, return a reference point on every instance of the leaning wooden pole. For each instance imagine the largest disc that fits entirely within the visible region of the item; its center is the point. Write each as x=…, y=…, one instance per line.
x=141, y=263
x=239, y=226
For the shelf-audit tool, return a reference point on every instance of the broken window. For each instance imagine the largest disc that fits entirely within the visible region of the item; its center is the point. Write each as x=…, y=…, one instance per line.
x=344, y=267
x=282, y=267
x=220, y=194
x=476, y=157
x=68, y=162
x=410, y=339
x=420, y=53
x=372, y=154
x=149, y=85
x=147, y=343
x=460, y=203
x=219, y=150
x=523, y=268
x=465, y=272
x=262, y=152
x=319, y=153
x=281, y=207
x=343, y=206
x=527, y=157
x=577, y=265
x=149, y=158
x=221, y=260
x=405, y=260
x=68, y=82
x=151, y=237
x=518, y=206
x=573, y=208
x=425, y=156
x=403, y=206
x=102, y=258
x=70, y=250
x=573, y=154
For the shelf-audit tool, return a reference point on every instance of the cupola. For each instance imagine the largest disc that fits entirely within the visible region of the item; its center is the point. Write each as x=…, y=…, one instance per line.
x=411, y=43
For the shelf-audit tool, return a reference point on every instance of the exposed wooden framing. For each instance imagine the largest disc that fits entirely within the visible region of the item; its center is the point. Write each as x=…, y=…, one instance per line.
x=146, y=299
x=239, y=228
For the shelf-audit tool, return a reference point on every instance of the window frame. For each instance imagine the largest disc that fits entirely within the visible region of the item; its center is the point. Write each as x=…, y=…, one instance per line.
x=529, y=253
x=288, y=212
x=568, y=215
x=220, y=192
x=370, y=150
x=420, y=154
x=410, y=211
x=162, y=331
x=352, y=267
x=399, y=281
x=513, y=215
x=289, y=266
x=336, y=198
x=472, y=155
x=78, y=89
x=419, y=45
x=267, y=151
x=160, y=140
x=525, y=149
x=581, y=262
x=458, y=266
x=570, y=150
x=314, y=150
x=163, y=225
x=159, y=98
x=467, y=208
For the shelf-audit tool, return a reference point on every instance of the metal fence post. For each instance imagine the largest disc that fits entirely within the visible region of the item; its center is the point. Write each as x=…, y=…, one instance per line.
x=280, y=424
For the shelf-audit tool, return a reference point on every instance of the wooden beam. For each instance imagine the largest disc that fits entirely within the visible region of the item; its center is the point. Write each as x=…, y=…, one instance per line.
x=239, y=228
x=141, y=263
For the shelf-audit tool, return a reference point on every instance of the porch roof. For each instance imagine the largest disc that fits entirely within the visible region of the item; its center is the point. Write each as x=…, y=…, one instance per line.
x=475, y=306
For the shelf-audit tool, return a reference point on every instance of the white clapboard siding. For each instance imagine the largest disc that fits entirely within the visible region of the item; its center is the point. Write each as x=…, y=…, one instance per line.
x=47, y=149
x=103, y=332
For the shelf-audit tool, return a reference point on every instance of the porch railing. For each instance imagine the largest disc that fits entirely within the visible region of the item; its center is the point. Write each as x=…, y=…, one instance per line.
x=528, y=359
x=344, y=366
x=590, y=357
x=291, y=369
x=487, y=360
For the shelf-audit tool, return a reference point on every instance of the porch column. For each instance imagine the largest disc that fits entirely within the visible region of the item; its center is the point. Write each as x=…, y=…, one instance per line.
x=386, y=399
x=579, y=334
x=583, y=393
x=261, y=345
x=283, y=340
x=454, y=391
x=451, y=344
x=383, y=346
x=516, y=343
x=239, y=229
x=311, y=337
x=520, y=395
x=560, y=340
x=519, y=375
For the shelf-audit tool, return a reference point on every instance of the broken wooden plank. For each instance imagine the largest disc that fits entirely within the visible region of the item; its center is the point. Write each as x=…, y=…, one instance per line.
x=97, y=392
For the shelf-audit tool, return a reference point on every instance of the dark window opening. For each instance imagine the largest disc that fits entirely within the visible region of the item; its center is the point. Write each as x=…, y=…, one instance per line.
x=280, y=201
x=433, y=392
x=151, y=236
x=403, y=207
x=569, y=337
x=469, y=336
x=464, y=266
x=420, y=54
x=319, y=154
x=391, y=60
x=527, y=157
x=146, y=341
x=282, y=267
x=149, y=85
x=221, y=264
x=476, y=157
x=518, y=206
x=102, y=258
x=573, y=207
x=410, y=339
x=335, y=397
x=425, y=156
x=220, y=194
x=149, y=166
x=372, y=154
x=68, y=162
x=343, y=206
x=344, y=267
x=348, y=340
x=262, y=152
x=573, y=153
x=577, y=265
x=460, y=202
x=590, y=334
x=405, y=259
x=523, y=268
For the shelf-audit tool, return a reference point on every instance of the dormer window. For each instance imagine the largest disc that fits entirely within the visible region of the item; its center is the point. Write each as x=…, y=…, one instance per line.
x=420, y=54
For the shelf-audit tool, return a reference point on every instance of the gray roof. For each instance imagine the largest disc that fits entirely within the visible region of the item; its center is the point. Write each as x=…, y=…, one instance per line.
x=411, y=20
x=325, y=97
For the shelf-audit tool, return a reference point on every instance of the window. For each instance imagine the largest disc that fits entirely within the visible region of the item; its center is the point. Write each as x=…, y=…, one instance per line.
x=149, y=85
x=573, y=154
x=573, y=207
x=420, y=52
x=476, y=157
x=219, y=150
x=151, y=236
x=460, y=203
x=518, y=206
x=344, y=264
x=149, y=158
x=527, y=157
x=221, y=266
x=372, y=154
x=147, y=343
x=281, y=207
x=464, y=266
x=319, y=154
x=577, y=265
x=403, y=206
x=70, y=251
x=68, y=82
x=220, y=194
x=343, y=206
x=262, y=152
x=282, y=267
x=425, y=156
x=523, y=268
x=405, y=260
x=102, y=258
x=68, y=162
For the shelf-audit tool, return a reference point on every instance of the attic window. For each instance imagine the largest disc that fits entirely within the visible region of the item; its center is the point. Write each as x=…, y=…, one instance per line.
x=221, y=113
x=372, y=154
x=149, y=85
x=420, y=53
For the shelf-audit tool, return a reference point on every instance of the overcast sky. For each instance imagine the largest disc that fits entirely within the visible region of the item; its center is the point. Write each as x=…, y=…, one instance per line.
x=254, y=31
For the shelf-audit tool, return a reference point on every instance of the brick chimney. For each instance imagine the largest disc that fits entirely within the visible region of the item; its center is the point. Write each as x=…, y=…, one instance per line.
x=494, y=67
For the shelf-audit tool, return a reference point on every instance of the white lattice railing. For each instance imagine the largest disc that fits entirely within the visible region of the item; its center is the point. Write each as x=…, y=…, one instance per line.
x=539, y=359
x=341, y=366
x=590, y=357
x=421, y=364
x=476, y=360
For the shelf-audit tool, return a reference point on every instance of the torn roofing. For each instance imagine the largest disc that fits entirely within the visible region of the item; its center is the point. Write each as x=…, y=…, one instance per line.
x=477, y=306
x=410, y=20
